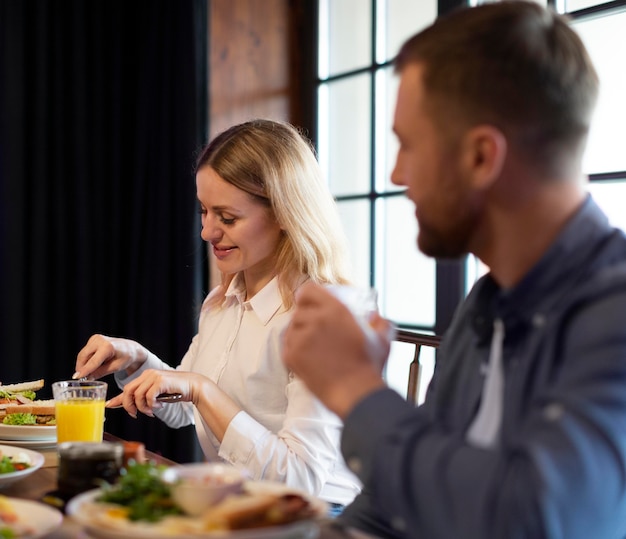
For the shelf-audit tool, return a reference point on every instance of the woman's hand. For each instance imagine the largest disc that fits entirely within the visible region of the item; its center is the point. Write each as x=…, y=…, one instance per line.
x=104, y=355
x=140, y=395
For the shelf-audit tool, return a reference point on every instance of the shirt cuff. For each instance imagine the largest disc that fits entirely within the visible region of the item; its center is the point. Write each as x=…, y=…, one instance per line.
x=241, y=438
x=152, y=362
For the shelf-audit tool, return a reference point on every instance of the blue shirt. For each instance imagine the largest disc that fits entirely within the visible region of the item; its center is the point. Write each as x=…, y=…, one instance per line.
x=559, y=468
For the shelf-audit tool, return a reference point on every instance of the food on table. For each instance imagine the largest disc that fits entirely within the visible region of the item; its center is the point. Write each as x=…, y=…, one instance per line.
x=19, y=407
x=38, y=412
x=257, y=510
x=142, y=492
x=142, y=500
x=11, y=525
x=19, y=393
x=14, y=463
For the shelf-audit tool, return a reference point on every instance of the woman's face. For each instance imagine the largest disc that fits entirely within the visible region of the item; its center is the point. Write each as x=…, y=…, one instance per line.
x=243, y=232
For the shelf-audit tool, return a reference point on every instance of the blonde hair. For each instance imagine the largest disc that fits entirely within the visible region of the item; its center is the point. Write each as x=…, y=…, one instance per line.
x=276, y=165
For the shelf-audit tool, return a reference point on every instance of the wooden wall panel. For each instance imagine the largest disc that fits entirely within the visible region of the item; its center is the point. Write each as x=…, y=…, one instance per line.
x=259, y=66
x=249, y=69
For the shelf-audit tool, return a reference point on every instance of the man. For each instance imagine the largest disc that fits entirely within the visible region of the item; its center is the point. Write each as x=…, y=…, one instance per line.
x=523, y=431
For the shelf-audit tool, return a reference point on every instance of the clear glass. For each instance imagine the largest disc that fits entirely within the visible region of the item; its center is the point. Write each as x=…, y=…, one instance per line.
x=398, y=20
x=610, y=197
x=397, y=368
x=344, y=132
x=79, y=410
x=605, y=38
x=405, y=278
x=355, y=216
x=345, y=38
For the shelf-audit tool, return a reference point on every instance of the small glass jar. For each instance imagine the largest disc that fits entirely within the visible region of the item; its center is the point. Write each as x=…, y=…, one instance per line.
x=86, y=465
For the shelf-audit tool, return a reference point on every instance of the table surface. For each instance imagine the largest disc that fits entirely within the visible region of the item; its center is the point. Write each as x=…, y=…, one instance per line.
x=44, y=480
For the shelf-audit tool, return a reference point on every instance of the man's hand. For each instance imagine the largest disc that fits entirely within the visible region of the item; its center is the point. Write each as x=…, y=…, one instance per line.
x=338, y=358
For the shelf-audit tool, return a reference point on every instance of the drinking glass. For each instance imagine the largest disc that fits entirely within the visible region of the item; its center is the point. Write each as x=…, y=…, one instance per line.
x=79, y=410
x=361, y=300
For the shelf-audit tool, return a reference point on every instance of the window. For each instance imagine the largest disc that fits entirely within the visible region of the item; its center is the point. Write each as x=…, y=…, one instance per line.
x=356, y=91
x=356, y=98
x=601, y=27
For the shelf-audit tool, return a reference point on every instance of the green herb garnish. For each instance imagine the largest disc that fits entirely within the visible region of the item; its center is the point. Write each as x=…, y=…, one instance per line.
x=141, y=489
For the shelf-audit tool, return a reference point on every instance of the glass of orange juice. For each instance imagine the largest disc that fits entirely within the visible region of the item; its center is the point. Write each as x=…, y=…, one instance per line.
x=79, y=410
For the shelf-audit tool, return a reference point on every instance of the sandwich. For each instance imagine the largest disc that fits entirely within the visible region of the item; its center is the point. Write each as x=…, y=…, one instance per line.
x=19, y=407
x=19, y=393
x=39, y=412
x=257, y=511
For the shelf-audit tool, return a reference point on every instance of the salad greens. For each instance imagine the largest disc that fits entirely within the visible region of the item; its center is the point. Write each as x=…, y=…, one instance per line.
x=143, y=492
x=7, y=465
x=20, y=419
x=10, y=395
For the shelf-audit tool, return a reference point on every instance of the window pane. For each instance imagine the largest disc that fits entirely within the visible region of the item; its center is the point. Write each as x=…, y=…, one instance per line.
x=344, y=134
x=345, y=41
x=403, y=19
x=386, y=142
x=405, y=278
x=573, y=5
x=605, y=38
x=355, y=216
x=610, y=197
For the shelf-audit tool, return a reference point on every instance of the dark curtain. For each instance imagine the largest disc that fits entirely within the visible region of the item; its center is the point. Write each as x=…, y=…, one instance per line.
x=102, y=114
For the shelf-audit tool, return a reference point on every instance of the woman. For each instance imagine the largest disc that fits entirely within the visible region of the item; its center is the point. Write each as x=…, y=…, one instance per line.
x=272, y=225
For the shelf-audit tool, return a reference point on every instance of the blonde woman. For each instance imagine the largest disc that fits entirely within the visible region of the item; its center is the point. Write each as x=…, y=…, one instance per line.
x=272, y=225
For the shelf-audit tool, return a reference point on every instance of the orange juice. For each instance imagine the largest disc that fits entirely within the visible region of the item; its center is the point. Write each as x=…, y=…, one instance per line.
x=80, y=420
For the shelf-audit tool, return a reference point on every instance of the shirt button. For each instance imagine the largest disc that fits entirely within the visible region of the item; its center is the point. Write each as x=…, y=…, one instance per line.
x=539, y=320
x=553, y=411
x=398, y=523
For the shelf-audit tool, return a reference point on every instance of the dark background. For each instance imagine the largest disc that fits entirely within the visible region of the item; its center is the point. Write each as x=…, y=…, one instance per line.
x=102, y=112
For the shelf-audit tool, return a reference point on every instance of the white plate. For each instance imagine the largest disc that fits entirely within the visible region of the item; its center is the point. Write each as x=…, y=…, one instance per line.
x=36, y=462
x=27, y=432
x=42, y=519
x=31, y=444
x=81, y=508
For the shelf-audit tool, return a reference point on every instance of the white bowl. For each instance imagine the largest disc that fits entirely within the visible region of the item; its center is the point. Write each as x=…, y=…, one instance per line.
x=198, y=486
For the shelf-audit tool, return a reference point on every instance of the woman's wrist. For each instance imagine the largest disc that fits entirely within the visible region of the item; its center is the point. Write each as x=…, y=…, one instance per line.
x=140, y=358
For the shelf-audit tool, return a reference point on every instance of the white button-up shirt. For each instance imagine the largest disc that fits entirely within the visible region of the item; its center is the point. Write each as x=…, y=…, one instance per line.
x=283, y=433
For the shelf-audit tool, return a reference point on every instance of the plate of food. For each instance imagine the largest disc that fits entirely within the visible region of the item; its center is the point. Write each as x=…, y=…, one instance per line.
x=27, y=519
x=22, y=416
x=261, y=510
x=17, y=463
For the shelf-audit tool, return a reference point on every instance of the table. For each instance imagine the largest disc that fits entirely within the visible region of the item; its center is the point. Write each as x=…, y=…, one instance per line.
x=45, y=480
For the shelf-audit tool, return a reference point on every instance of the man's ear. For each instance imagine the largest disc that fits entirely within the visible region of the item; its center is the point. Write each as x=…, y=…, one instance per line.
x=484, y=151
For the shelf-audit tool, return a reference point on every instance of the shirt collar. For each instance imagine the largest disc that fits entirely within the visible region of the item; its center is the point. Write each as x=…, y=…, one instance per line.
x=265, y=303
x=534, y=294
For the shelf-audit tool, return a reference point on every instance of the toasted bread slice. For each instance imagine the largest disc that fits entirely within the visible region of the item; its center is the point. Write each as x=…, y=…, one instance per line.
x=33, y=385
x=43, y=407
x=236, y=512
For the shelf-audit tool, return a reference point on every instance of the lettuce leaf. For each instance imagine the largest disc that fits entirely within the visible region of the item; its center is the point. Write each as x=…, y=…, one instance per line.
x=20, y=419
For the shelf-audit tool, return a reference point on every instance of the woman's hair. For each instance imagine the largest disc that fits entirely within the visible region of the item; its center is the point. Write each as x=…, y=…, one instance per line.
x=514, y=65
x=276, y=166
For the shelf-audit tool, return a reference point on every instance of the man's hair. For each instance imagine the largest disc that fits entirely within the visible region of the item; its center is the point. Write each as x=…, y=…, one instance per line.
x=514, y=65
x=276, y=166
